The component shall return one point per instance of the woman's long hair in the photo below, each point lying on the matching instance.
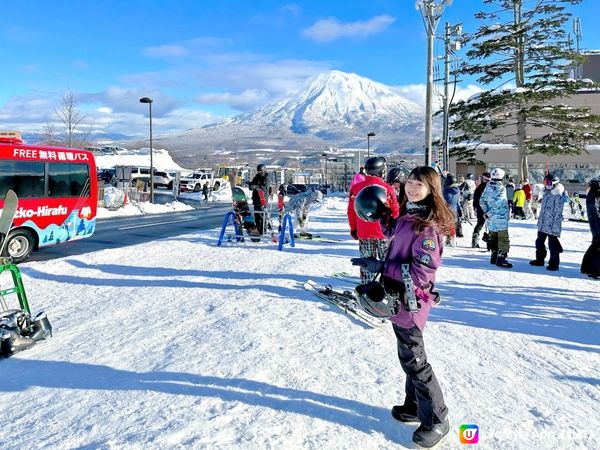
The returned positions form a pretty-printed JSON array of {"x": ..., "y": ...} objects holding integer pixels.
[{"x": 440, "y": 215}]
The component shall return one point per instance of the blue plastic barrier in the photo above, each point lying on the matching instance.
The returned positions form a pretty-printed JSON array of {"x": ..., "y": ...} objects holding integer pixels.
[
  {"x": 286, "y": 222},
  {"x": 230, "y": 220}
]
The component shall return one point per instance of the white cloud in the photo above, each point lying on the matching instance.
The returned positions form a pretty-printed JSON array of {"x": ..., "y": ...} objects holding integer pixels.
[
  {"x": 326, "y": 30},
  {"x": 166, "y": 51},
  {"x": 245, "y": 100},
  {"x": 417, "y": 93}
]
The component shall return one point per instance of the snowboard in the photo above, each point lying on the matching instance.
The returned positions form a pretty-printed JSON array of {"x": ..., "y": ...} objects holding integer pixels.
[
  {"x": 6, "y": 218},
  {"x": 243, "y": 214},
  {"x": 344, "y": 300}
]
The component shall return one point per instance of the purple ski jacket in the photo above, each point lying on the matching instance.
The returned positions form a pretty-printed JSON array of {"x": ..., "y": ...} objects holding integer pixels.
[{"x": 424, "y": 255}]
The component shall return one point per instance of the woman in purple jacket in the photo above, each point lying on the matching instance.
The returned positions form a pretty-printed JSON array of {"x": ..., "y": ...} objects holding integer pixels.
[{"x": 418, "y": 240}]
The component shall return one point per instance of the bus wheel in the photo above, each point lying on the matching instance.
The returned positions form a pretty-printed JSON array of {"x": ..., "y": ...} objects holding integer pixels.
[{"x": 19, "y": 245}]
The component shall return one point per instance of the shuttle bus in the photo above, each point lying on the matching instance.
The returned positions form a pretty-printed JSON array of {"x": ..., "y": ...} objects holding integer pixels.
[{"x": 57, "y": 191}]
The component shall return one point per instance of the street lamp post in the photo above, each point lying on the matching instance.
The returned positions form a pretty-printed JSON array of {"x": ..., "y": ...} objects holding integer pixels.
[
  {"x": 149, "y": 101},
  {"x": 369, "y": 136}
]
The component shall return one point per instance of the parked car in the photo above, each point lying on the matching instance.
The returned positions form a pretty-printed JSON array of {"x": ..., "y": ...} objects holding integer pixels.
[
  {"x": 195, "y": 181},
  {"x": 162, "y": 179},
  {"x": 106, "y": 175}
]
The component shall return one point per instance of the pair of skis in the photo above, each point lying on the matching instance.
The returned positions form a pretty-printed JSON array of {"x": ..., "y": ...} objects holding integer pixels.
[
  {"x": 345, "y": 300},
  {"x": 315, "y": 237}
]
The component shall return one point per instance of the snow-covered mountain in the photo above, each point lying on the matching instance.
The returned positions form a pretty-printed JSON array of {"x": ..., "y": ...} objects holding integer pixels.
[
  {"x": 337, "y": 103},
  {"x": 332, "y": 109}
]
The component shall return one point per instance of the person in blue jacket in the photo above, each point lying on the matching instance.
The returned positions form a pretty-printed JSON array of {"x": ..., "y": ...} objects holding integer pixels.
[{"x": 494, "y": 205}]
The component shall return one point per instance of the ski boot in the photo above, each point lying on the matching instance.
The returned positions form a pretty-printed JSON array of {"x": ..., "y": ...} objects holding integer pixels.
[
  {"x": 429, "y": 436},
  {"x": 536, "y": 262},
  {"x": 502, "y": 262},
  {"x": 494, "y": 257}
]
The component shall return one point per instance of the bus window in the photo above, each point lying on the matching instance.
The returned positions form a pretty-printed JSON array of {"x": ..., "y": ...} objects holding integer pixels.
[
  {"x": 68, "y": 180},
  {"x": 24, "y": 177}
]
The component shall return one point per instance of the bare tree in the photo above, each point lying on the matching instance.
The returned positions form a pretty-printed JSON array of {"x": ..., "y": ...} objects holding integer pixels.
[
  {"x": 49, "y": 134},
  {"x": 70, "y": 117}
]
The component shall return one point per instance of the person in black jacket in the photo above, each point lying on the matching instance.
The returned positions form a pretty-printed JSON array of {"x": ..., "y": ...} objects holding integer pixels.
[
  {"x": 590, "y": 265},
  {"x": 485, "y": 177},
  {"x": 260, "y": 188}
]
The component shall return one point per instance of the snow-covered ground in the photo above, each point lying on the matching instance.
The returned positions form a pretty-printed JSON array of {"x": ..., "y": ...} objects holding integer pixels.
[{"x": 179, "y": 343}]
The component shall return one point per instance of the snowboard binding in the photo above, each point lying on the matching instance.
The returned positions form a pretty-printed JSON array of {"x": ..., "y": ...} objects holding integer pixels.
[{"x": 18, "y": 329}]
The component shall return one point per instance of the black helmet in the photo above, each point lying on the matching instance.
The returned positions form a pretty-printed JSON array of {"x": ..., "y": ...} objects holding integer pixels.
[
  {"x": 470, "y": 176},
  {"x": 552, "y": 177},
  {"x": 375, "y": 301},
  {"x": 450, "y": 180},
  {"x": 396, "y": 174},
  {"x": 375, "y": 166},
  {"x": 594, "y": 185},
  {"x": 371, "y": 203},
  {"x": 261, "y": 167}
]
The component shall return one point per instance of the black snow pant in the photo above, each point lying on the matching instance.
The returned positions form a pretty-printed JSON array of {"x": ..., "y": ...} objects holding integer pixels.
[
  {"x": 421, "y": 387},
  {"x": 258, "y": 218},
  {"x": 478, "y": 227},
  {"x": 553, "y": 245},
  {"x": 590, "y": 264}
]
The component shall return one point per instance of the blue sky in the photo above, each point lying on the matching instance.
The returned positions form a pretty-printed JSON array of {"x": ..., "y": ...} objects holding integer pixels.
[{"x": 205, "y": 60}]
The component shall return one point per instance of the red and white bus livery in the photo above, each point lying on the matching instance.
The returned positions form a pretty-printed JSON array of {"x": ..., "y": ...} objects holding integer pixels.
[{"x": 57, "y": 191}]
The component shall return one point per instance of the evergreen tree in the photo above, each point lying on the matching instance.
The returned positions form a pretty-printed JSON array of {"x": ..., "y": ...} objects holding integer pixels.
[{"x": 523, "y": 42}]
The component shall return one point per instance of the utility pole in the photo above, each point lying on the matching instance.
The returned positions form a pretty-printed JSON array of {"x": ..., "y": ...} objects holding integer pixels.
[{"x": 431, "y": 12}]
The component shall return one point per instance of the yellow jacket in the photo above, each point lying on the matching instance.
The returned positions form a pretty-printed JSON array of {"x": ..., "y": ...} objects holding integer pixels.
[{"x": 519, "y": 198}]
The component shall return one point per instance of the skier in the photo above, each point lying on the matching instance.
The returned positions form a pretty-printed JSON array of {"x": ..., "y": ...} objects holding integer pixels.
[
  {"x": 467, "y": 193},
  {"x": 260, "y": 187},
  {"x": 281, "y": 193},
  {"x": 451, "y": 194},
  {"x": 300, "y": 204},
  {"x": 519, "y": 202},
  {"x": 550, "y": 223},
  {"x": 590, "y": 264},
  {"x": 358, "y": 177},
  {"x": 510, "y": 192},
  {"x": 494, "y": 205},
  {"x": 205, "y": 190},
  {"x": 536, "y": 199},
  {"x": 418, "y": 241},
  {"x": 485, "y": 177},
  {"x": 396, "y": 178},
  {"x": 371, "y": 240},
  {"x": 528, "y": 197}
]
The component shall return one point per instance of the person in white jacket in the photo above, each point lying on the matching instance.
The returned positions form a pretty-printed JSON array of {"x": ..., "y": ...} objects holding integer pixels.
[{"x": 550, "y": 223}]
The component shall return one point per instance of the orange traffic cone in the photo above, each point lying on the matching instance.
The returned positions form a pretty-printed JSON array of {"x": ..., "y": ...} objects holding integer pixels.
[{"x": 125, "y": 198}]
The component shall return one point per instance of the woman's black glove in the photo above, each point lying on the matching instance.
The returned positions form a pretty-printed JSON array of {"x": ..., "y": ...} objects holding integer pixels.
[{"x": 372, "y": 265}]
